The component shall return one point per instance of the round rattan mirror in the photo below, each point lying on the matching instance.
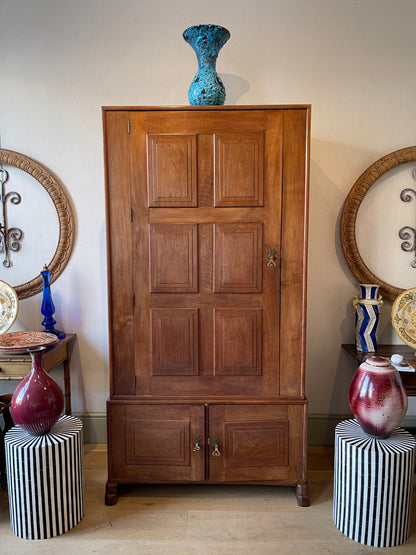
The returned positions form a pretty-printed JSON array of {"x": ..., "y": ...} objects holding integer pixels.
[
  {"x": 350, "y": 212},
  {"x": 62, "y": 206}
]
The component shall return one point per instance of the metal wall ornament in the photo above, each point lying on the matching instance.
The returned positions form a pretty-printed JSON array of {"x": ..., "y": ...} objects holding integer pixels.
[
  {"x": 63, "y": 208},
  {"x": 350, "y": 212},
  {"x": 10, "y": 237},
  {"x": 408, "y": 233}
]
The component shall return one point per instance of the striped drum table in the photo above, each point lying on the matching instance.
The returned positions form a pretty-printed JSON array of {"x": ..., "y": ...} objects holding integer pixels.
[
  {"x": 373, "y": 485},
  {"x": 45, "y": 479}
]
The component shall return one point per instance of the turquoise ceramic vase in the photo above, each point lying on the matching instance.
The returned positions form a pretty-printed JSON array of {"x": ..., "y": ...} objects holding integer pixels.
[{"x": 206, "y": 87}]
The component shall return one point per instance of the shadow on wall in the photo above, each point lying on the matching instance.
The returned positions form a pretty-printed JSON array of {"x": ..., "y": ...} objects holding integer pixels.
[
  {"x": 330, "y": 286},
  {"x": 235, "y": 87}
]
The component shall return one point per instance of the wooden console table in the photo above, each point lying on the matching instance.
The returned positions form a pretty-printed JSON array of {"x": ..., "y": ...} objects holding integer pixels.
[
  {"x": 17, "y": 366},
  {"x": 408, "y": 378}
]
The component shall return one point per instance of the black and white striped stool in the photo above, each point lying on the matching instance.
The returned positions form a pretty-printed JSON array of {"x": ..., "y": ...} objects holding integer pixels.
[
  {"x": 373, "y": 484},
  {"x": 45, "y": 479}
]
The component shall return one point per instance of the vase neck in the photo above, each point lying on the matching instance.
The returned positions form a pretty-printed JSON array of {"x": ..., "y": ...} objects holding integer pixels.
[
  {"x": 369, "y": 291},
  {"x": 46, "y": 278},
  {"x": 37, "y": 360},
  {"x": 207, "y": 41},
  {"x": 207, "y": 63},
  {"x": 47, "y": 308}
]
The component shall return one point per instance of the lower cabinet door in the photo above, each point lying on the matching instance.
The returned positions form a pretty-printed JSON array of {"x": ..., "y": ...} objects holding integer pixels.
[
  {"x": 167, "y": 443},
  {"x": 256, "y": 443},
  {"x": 157, "y": 443}
]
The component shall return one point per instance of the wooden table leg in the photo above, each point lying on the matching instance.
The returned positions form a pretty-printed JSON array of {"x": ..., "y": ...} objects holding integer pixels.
[{"x": 67, "y": 383}]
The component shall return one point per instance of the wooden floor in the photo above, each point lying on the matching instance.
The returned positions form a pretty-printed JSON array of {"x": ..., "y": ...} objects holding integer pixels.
[{"x": 195, "y": 520}]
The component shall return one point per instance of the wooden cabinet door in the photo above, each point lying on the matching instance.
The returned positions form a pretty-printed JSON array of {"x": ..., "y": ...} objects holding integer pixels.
[
  {"x": 207, "y": 189},
  {"x": 156, "y": 443},
  {"x": 256, "y": 443},
  {"x": 206, "y": 294}
]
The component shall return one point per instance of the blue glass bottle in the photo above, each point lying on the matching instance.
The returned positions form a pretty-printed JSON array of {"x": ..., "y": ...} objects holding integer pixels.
[
  {"x": 206, "y": 87},
  {"x": 48, "y": 308}
]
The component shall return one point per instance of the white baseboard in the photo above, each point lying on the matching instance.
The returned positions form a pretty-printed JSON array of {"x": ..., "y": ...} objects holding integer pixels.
[
  {"x": 95, "y": 426},
  {"x": 321, "y": 427}
]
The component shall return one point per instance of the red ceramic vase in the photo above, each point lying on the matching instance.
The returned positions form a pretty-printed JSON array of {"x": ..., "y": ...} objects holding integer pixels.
[
  {"x": 38, "y": 400},
  {"x": 377, "y": 397}
]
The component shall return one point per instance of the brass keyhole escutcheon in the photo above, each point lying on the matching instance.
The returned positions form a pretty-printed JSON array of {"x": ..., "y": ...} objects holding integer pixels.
[{"x": 271, "y": 255}]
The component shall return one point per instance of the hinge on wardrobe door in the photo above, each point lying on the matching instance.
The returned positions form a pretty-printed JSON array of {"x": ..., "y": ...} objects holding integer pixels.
[
  {"x": 128, "y": 127},
  {"x": 131, "y": 214},
  {"x": 133, "y": 300}
]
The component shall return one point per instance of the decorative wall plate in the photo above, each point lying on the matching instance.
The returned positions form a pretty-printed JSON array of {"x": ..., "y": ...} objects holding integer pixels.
[
  {"x": 21, "y": 341},
  {"x": 403, "y": 316},
  {"x": 9, "y": 306}
]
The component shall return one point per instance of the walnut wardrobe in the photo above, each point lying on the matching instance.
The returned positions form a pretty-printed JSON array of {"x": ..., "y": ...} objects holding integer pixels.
[{"x": 207, "y": 248}]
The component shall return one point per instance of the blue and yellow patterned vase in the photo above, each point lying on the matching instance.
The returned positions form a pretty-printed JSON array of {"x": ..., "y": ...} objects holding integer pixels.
[
  {"x": 366, "y": 317},
  {"x": 206, "y": 87}
]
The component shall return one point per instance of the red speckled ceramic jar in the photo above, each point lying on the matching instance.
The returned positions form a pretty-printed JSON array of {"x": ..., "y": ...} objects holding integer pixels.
[
  {"x": 38, "y": 400},
  {"x": 377, "y": 397}
]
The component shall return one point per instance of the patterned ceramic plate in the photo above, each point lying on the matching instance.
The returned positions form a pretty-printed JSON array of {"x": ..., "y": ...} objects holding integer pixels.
[
  {"x": 9, "y": 306},
  {"x": 26, "y": 341},
  {"x": 403, "y": 316}
]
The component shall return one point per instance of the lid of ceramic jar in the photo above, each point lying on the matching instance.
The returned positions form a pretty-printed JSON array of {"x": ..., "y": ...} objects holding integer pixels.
[{"x": 377, "y": 362}]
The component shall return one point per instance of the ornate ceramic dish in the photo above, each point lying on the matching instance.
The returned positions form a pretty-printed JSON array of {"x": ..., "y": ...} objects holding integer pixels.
[
  {"x": 9, "y": 306},
  {"x": 403, "y": 316},
  {"x": 19, "y": 341}
]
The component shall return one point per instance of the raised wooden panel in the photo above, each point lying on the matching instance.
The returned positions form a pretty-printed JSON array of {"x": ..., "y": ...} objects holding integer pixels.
[
  {"x": 261, "y": 443},
  {"x": 238, "y": 258},
  {"x": 173, "y": 258},
  {"x": 257, "y": 442},
  {"x": 239, "y": 169},
  {"x": 174, "y": 342},
  {"x": 172, "y": 170},
  {"x": 157, "y": 442},
  {"x": 238, "y": 338},
  {"x": 154, "y": 442}
]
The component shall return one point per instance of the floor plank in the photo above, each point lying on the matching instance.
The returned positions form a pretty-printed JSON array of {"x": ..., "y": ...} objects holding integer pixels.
[{"x": 201, "y": 520}]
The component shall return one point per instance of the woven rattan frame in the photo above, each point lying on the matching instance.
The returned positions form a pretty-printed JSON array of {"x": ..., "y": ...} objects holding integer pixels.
[
  {"x": 350, "y": 211},
  {"x": 66, "y": 227}
]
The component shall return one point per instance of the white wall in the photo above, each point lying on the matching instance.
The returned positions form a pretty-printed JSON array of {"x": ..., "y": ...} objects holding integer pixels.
[{"x": 61, "y": 60}]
